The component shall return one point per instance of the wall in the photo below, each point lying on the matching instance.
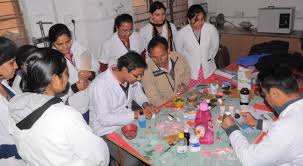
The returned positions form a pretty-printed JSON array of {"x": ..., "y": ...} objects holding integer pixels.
[
  {"x": 94, "y": 18},
  {"x": 141, "y": 13},
  {"x": 246, "y": 10}
]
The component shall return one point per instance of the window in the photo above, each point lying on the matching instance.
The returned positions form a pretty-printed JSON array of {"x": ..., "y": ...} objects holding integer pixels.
[{"x": 11, "y": 22}]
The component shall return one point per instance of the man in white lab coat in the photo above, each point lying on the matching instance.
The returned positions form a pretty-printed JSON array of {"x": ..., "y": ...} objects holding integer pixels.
[
  {"x": 198, "y": 42},
  {"x": 111, "y": 95},
  {"x": 158, "y": 25},
  {"x": 284, "y": 140}
]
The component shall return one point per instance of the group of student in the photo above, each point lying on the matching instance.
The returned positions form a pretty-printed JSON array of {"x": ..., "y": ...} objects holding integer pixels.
[{"x": 58, "y": 91}]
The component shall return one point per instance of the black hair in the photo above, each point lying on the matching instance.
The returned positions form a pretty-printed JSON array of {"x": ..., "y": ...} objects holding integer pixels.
[
  {"x": 155, "y": 6},
  {"x": 194, "y": 10},
  {"x": 23, "y": 52},
  {"x": 280, "y": 77},
  {"x": 121, "y": 19},
  {"x": 39, "y": 68},
  {"x": 56, "y": 31},
  {"x": 131, "y": 60},
  {"x": 7, "y": 50},
  {"x": 155, "y": 41}
]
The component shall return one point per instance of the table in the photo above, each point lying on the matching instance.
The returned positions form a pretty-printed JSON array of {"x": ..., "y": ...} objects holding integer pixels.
[{"x": 149, "y": 139}]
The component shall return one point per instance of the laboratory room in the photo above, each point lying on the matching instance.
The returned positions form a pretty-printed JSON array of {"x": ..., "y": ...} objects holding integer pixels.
[{"x": 151, "y": 83}]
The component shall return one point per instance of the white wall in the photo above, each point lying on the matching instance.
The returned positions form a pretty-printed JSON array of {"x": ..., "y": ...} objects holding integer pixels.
[
  {"x": 94, "y": 18},
  {"x": 246, "y": 10}
]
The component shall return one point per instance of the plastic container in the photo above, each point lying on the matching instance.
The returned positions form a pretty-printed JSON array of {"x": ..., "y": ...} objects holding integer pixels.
[
  {"x": 142, "y": 120},
  {"x": 203, "y": 115},
  {"x": 231, "y": 109},
  {"x": 181, "y": 144},
  {"x": 187, "y": 134},
  {"x": 194, "y": 145},
  {"x": 129, "y": 131},
  {"x": 204, "y": 118}
]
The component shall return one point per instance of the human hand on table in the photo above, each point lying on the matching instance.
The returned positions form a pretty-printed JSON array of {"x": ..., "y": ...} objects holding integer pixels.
[
  {"x": 182, "y": 88},
  {"x": 249, "y": 119},
  {"x": 227, "y": 122},
  {"x": 147, "y": 114},
  {"x": 150, "y": 107}
]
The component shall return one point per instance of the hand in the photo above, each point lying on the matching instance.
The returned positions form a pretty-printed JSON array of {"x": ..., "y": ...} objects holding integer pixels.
[
  {"x": 227, "y": 122},
  {"x": 82, "y": 84},
  {"x": 151, "y": 108},
  {"x": 182, "y": 88},
  {"x": 84, "y": 75},
  {"x": 147, "y": 114},
  {"x": 249, "y": 119}
]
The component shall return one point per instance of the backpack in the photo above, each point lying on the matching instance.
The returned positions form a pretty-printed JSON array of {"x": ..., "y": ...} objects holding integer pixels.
[{"x": 222, "y": 58}]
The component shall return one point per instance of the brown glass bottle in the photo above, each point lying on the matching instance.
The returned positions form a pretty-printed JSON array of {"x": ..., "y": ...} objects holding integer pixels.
[{"x": 244, "y": 96}]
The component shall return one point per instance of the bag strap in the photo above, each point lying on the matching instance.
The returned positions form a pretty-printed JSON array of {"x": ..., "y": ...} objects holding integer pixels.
[{"x": 30, "y": 119}]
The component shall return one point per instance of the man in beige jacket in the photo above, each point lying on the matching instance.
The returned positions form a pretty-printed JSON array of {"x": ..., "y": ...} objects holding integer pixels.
[{"x": 167, "y": 74}]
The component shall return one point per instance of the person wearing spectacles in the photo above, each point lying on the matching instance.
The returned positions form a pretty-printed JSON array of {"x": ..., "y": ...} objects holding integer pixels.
[{"x": 111, "y": 95}]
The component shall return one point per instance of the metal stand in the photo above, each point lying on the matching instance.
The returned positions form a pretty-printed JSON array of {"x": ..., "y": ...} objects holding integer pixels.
[{"x": 43, "y": 39}]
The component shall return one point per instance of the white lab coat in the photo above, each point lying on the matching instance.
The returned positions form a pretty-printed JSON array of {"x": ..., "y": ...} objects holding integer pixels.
[
  {"x": 197, "y": 54},
  {"x": 146, "y": 33},
  {"x": 79, "y": 100},
  {"x": 59, "y": 137},
  {"x": 5, "y": 137},
  {"x": 282, "y": 145},
  {"x": 113, "y": 48},
  {"x": 109, "y": 108},
  {"x": 16, "y": 84},
  {"x": 78, "y": 51}
]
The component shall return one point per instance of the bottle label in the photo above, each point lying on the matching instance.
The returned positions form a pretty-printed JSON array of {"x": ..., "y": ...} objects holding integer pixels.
[
  {"x": 195, "y": 144},
  {"x": 181, "y": 149},
  {"x": 244, "y": 98}
]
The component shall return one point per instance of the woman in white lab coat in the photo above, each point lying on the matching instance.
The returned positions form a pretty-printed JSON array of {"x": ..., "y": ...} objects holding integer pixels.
[
  {"x": 59, "y": 135},
  {"x": 8, "y": 150},
  {"x": 123, "y": 40},
  {"x": 198, "y": 42},
  {"x": 158, "y": 25},
  {"x": 22, "y": 53},
  {"x": 81, "y": 65}
]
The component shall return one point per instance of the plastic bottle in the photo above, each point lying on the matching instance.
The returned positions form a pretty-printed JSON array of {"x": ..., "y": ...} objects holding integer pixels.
[
  {"x": 244, "y": 96},
  {"x": 181, "y": 144},
  {"x": 187, "y": 134},
  {"x": 204, "y": 118},
  {"x": 142, "y": 120},
  {"x": 195, "y": 145},
  {"x": 231, "y": 109},
  {"x": 208, "y": 138},
  {"x": 203, "y": 115}
]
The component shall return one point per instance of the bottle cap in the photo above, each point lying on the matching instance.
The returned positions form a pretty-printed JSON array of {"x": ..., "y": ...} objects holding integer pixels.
[
  {"x": 181, "y": 135},
  {"x": 203, "y": 106}
]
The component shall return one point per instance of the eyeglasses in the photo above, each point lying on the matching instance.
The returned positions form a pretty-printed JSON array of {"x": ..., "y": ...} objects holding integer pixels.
[{"x": 136, "y": 76}]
